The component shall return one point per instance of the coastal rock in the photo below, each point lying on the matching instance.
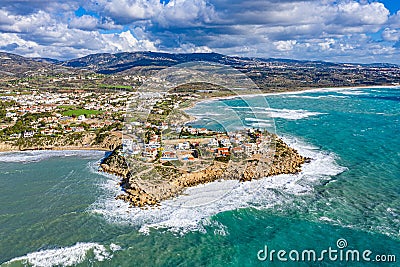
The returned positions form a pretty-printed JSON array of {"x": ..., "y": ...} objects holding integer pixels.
[{"x": 171, "y": 181}]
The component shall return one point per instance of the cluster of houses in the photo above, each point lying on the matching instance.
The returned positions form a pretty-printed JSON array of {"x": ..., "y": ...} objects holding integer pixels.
[
  {"x": 187, "y": 149},
  {"x": 56, "y": 123}
]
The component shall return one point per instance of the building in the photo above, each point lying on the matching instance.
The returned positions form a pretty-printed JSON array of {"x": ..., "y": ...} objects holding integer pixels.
[
  {"x": 28, "y": 134},
  {"x": 168, "y": 156},
  {"x": 213, "y": 143},
  {"x": 183, "y": 146},
  {"x": 222, "y": 151}
]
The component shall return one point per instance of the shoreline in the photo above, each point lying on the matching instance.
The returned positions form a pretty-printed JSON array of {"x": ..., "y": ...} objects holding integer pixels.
[
  {"x": 323, "y": 89},
  {"x": 194, "y": 103},
  {"x": 44, "y": 151},
  {"x": 66, "y": 148},
  {"x": 171, "y": 182},
  {"x": 145, "y": 194}
]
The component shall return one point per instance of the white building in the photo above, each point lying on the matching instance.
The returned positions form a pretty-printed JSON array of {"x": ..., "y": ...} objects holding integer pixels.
[{"x": 28, "y": 134}]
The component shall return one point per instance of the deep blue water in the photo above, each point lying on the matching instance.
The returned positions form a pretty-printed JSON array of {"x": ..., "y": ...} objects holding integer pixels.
[{"x": 56, "y": 209}]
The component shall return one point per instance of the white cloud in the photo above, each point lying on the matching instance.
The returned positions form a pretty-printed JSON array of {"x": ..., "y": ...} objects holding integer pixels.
[
  {"x": 355, "y": 14},
  {"x": 302, "y": 29},
  {"x": 19, "y": 23},
  {"x": 327, "y": 44},
  {"x": 84, "y": 22},
  {"x": 191, "y": 48},
  {"x": 125, "y": 41},
  {"x": 90, "y": 23},
  {"x": 394, "y": 21},
  {"x": 285, "y": 45},
  {"x": 391, "y": 34},
  {"x": 126, "y": 11}
]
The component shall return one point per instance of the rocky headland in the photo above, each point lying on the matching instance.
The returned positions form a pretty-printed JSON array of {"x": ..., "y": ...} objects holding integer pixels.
[{"x": 170, "y": 181}]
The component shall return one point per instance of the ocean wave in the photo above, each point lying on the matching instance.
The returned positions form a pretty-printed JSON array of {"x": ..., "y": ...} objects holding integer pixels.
[
  {"x": 38, "y": 155},
  {"x": 259, "y": 123},
  {"x": 289, "y": 114},
  {"x": 193, "y": 210},
  {"x": 67, "y": 256},
  {"x": 316, "y": 97},
  {"x": 204, "y": 115},
  {"x": 258, "y": 120},
  {"x": 353, "y": 92}
]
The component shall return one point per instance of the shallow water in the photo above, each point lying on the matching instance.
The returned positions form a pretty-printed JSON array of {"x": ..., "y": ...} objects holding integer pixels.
[{"x": 58, "y": 210}]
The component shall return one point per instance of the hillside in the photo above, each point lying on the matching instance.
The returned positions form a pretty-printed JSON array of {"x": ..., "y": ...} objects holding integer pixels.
[{"x": 269, "y": 74}]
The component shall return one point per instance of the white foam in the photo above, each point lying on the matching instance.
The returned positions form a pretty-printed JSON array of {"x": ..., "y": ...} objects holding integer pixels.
[
  {"x": 192, "y": 210},
  {"x": 289, "y": 114},
  {"x": 260, "y": 123},
  {"x": 67, "y": 256},
  {"x": 38, "y": 155},
  {"x": 316, "y": 97},
  {"x": 353, "y": 92},
  {"x": 258, "y": 120},
  {"x": 327, "y": 219},
  {"x": 205, "y": 114}
]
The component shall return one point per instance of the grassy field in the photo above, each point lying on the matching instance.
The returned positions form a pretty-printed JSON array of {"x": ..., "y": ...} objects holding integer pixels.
[
  {"x": 78, "y": 112},
  {"x": 66, "y": 107}
]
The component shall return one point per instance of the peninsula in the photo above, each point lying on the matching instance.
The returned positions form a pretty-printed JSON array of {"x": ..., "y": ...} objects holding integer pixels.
[
  {"x": 174, "y": 156},
  {"x": 81, "y": 104}
]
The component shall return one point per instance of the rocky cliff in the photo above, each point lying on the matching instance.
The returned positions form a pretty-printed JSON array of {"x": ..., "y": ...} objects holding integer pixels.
[{"x": 169, "y": 181}]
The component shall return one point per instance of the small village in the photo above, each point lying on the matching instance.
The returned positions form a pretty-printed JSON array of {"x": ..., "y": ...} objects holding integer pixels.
[
  {"x": 202, "y": 143},
  {"x": 159, "y": 139},
  {"x": 35, "y": 114}
]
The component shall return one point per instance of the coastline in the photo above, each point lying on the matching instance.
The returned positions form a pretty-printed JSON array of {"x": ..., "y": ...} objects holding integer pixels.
[
  {"x": 149, "y": 195},
  {"x": 136, "y": 196},
  {"x": 301, "y": 91},
  {"x": 171, "y": 182},
  {"x": 4, "y": 147},
  {"x": 64, "y": 148}
]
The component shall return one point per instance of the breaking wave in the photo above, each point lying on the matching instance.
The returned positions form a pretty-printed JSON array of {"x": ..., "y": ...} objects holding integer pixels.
[
  {"x": 174, "y": 214},
  {"x": 38, "y": 155},
  {"x": 67, "y": 256},
  {"x": 289, "y": 114}
]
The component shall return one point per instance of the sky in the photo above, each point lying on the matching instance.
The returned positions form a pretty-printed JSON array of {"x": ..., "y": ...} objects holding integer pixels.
[{"x": 358, "y": 31}]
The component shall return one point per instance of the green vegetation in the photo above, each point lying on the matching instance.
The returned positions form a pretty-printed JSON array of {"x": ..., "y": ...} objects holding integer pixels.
[
  {"x": 102, "y": 133},
  {"x": 3, "y": 106},
  {"x": 78, "y": 112},
  {"x": 67, "y": 107},
  {"x": 224, "y": 159},
  {"x": 109, "y": 86},
  {"x": 23, "y": 124}
]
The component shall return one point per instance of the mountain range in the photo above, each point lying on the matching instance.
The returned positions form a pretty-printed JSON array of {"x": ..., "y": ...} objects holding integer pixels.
[{"x": 267, "y": 73}]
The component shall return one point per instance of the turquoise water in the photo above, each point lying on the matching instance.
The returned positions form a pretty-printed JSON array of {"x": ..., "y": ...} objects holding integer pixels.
[{"x": 58, "y": 210}]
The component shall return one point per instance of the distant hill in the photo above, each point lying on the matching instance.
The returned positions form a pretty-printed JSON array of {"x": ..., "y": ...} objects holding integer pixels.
[
  {"x": 106, "y": 63},
  {"x": 15, "y": 65},
  {"x": 113, "y": 63},
  {"x": 19, "y": 66},
  {"x": 271, "y": 74}
]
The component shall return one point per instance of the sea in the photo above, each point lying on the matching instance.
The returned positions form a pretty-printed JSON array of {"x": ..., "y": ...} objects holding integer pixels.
[{"x": 57, "y": 209}]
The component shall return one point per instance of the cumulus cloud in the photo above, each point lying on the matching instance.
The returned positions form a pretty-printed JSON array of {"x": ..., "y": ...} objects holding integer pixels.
[
  {"x": 302, "y": 29},
  {"x": 20, "y": 24},
  {"x": 285, "y": 45},
  {"x": 126, "y": 11},
  {"x": 391, "y": 34},
  {"x": 90, "y": 23}
]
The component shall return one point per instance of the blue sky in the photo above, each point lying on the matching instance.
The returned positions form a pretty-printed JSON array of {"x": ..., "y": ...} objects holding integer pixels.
[{"x": 362, "y": 31}]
